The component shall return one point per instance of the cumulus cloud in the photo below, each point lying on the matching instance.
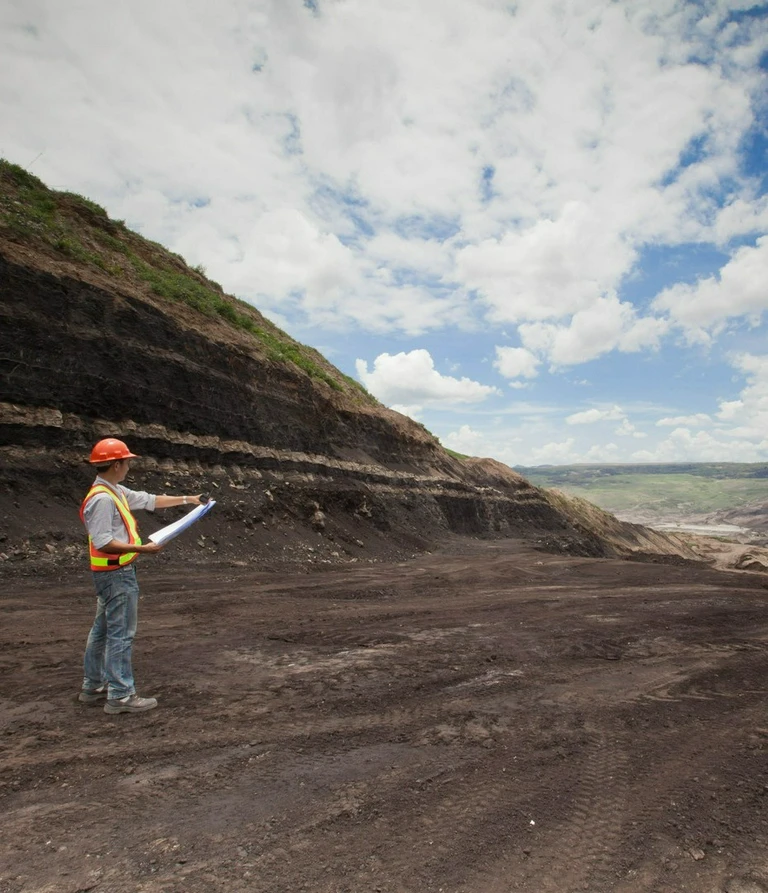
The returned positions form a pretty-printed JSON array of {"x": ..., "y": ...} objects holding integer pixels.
[
  {"x": 410, "y": 379},
  {"x": 414, "y": 412},
  {"x": 627, "y": 429},
  {"x": 516, "y": 362},
  {"x": 749, "y": 414},
  {"x": 590, "y": 416},
  {"x": 607, "y": 452},
  {"x": 700, "y": 446},
  {"x": 502, "y": 444},
  {"x": 552, "y": 269},
  {"x": 284, "y": 251},
  {"x": 742, "y": 217},
  {"x": 730, "y": 409},
  {"x": 465, "y": 440},
  {"x": 739, "y": 290},
  {"x": 602, "y": 327},
  {"x": 554, "y": 453}
]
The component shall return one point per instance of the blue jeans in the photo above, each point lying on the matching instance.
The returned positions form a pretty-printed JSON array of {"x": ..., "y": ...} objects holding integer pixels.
[{"x": 110, "y": 641}]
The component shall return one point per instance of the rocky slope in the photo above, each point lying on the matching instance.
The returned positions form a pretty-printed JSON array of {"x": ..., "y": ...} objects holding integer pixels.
[
  {"x": 753, "y": 515},
  {"x": 103, "y": 333}
]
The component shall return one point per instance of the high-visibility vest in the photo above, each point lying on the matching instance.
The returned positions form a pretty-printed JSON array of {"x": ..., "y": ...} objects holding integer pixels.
[{"x": 106, "y": 561}]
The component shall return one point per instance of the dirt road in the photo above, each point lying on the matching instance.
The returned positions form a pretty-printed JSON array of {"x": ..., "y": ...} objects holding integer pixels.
[{"x": 483, "y": 720}]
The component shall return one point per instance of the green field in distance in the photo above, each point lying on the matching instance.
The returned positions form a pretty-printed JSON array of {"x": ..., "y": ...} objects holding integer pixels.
[{"x": 664, "y": 490}]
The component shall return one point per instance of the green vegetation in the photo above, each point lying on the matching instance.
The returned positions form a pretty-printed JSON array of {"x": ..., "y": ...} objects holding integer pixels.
[
  {"x": 664, "y": 490},
  {"x": 354, "y": 383},
  {"x": 21, "y": 176},
  {"x": 83, "y": 203},
  {"x": 73, "y": 226},
  {"x": 32, "y": 209},
  {"x": 455, "y": 454}
]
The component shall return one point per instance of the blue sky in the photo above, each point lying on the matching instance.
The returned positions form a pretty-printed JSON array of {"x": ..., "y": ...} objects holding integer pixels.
[{"x": 540, "y": 228}]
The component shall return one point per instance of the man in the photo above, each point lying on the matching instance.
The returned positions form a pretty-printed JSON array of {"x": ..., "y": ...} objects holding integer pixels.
[{"x": 114, "y": 544}]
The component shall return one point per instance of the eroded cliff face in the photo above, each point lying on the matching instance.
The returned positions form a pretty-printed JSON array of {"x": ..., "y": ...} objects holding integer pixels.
[
  {"x": 304, "y": 465},
  {"x": 296, "y": 464}
]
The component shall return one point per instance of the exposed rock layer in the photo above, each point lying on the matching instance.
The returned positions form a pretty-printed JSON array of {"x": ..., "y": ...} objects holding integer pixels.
[{"x": 302, "y": 471}]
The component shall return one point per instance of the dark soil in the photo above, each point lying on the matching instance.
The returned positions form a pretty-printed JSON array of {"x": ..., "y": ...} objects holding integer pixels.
[{"x": 490, "y": 718}]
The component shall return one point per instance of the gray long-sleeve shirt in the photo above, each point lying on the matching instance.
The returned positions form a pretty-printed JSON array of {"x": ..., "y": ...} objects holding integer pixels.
[{"x": 103, "y": 521}]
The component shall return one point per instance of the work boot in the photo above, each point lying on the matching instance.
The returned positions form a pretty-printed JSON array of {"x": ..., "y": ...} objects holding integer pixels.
[
  {"x": 92, "y": 696},
  {"x": 130, "y": 704}
]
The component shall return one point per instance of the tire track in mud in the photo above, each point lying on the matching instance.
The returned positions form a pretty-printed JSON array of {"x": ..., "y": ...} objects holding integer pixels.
[
  {"x": 393, "y": 829},
  {"x": 425, "y": 836},
  {"x": 680, "y": 794},
  {"x": 454, "y": 819},
  {"x": 577, "y": 852},
  {"x": 703, "y": 680},
  {"x": 198, "y": 772},
  {"x": 429, "y": 814}
]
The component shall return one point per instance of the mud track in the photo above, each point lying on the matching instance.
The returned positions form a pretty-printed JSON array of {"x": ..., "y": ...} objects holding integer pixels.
[{"x": 482, "y": 720}]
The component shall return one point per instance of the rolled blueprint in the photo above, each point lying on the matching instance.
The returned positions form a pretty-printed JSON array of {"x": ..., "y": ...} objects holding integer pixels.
[{"x": 166, "y": 534}]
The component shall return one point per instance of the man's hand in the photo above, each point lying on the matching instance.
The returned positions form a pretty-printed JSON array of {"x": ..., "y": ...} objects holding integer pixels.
[
  {"x": 162, "y": 501},
  {"x": 150, "y": 547}
]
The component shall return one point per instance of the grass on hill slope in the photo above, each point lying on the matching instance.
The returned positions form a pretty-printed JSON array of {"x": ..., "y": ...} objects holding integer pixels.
[{"x": 80, "y": 231}]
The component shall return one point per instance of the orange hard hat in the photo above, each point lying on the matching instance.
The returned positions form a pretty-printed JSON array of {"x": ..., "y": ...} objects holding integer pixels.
[{"x": 110, "y": 450}]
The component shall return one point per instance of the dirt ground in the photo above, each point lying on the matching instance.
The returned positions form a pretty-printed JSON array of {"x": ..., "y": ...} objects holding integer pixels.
[{"x": 485, "y": 719}]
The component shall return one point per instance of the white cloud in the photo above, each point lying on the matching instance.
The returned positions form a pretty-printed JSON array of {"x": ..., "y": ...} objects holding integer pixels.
[
  {"x": 604, "y": 326},
  {"x": 410, "y": 379},
  {"x": 284, "y": 252},
  {"x": 730, "y": 409},
  {"x": 516, "y": 362},
  {"x": 740, "y": 289},
  {"x": 749, "y": 413},
  {"x": 503, "y": 445},
  {"x": 428, "y": 257},
  {"x": 602, "y": 453},
  {"x": 553, "y": 269},
  {"x": 465, "y": 440},
  {"x": 701, "y": 446},
  {"x": 590, "y": 416},
  {"x": 414, "y": 412},
  {"x": 689, "y": 421},
  {"x": 554, "y": 453},
  {"x": 627, "y": 429},
  {"x": 741, "y": 217}
]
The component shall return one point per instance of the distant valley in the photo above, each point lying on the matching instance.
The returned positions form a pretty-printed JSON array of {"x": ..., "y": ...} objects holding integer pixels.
[{"x": 718, "y": 498}]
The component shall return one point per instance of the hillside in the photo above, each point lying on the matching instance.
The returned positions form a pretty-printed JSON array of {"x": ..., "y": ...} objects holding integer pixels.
[
  {"x": 105, "y": 333},
  {"x": 753, "y": 515}
]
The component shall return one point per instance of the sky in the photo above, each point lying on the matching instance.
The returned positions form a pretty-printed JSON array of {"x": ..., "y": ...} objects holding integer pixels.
[{"x": 539, "y": 228}]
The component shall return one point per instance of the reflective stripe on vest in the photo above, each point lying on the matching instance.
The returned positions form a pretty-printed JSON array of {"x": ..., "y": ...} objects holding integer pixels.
[{"x": 106, "y": 561}]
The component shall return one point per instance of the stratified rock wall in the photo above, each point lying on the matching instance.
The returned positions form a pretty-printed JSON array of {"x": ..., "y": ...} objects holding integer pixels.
[
  {"x": 99, "y": 354},
  {"x": 302, "y": 471}
]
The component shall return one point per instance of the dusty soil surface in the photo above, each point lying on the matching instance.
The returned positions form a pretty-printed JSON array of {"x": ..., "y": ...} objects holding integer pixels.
[
  {"x": 728, "y": 555},
  {"x": 486, "y": 719}
]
